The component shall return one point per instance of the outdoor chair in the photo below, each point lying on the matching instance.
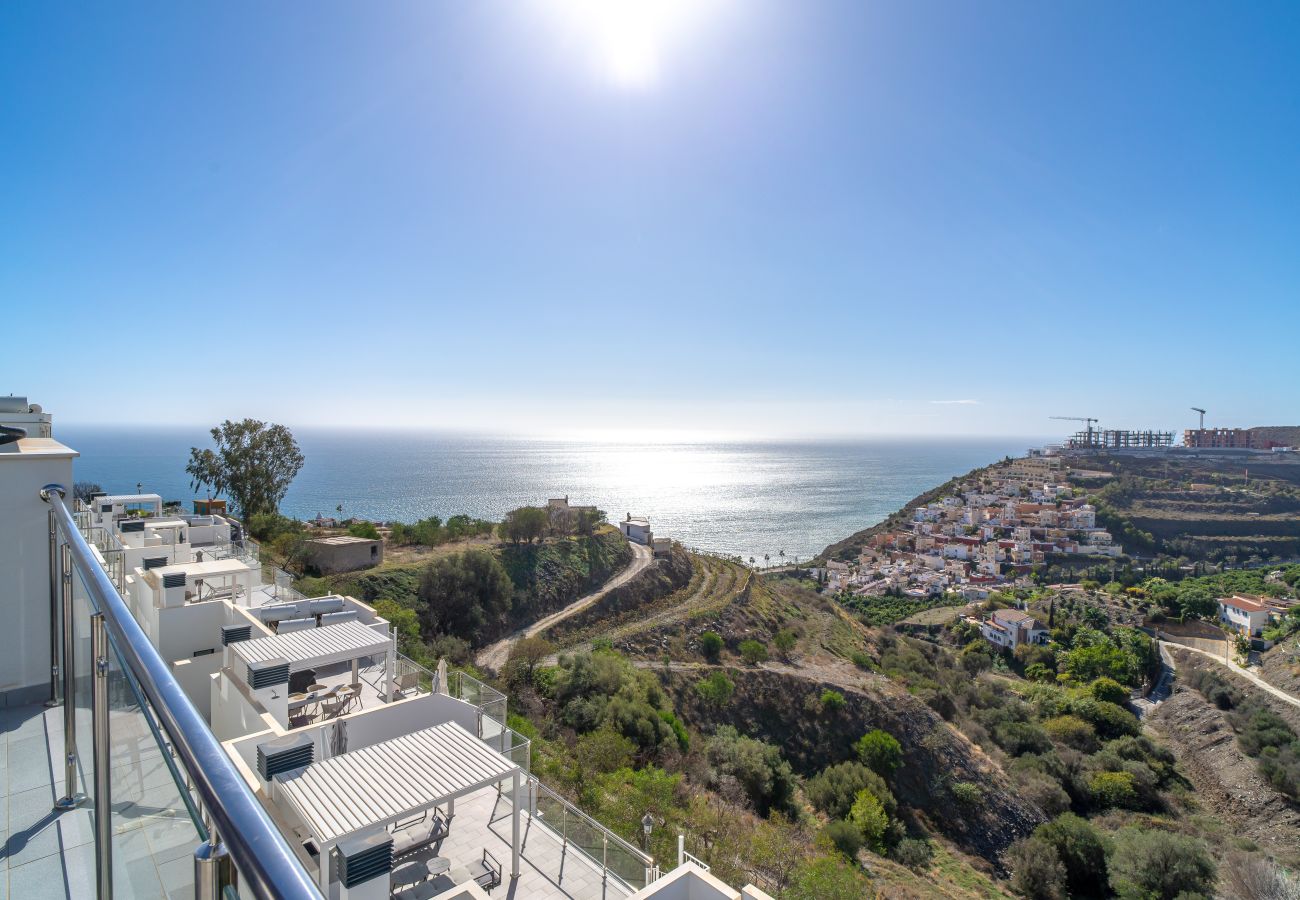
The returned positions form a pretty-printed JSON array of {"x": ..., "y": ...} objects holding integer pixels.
[
  {"x": 486, "y": 872},
  {"x": 415, "y": 834},
  {"x": 356, "y": 695},
  {"x": 408, "y": 681},
  {"x": 332, "y": 705}
]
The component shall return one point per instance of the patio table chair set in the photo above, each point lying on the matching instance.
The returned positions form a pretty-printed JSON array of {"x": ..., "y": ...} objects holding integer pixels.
[
  {"x": 416, "y": 881},
  {"x": 322, "y": 701}
]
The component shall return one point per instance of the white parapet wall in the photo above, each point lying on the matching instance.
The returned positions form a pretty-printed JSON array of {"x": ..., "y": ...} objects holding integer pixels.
[{"x": 25, "y": 466}]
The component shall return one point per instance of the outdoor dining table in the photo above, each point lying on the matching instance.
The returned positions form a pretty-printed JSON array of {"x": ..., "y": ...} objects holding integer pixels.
[
  {"x": 298, "y": 701},
  {"x": 437, "y": 866}
]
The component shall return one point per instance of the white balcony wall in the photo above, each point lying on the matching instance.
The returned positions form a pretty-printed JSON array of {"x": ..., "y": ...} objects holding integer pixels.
[{"x": 25, "y": 466}]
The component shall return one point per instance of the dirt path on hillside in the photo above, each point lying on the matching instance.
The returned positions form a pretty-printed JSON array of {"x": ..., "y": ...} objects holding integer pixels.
[
  {"x": 705, "y": 588},
  {"x": 1247, "y": 674},
  {"x": 494, "y": 656}
]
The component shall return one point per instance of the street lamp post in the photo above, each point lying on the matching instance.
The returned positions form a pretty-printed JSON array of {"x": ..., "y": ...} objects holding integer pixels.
[{"x": 647, "y": 825}]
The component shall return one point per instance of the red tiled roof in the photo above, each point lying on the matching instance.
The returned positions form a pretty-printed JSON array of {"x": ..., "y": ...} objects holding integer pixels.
[{"x": 1243, "y": 602}]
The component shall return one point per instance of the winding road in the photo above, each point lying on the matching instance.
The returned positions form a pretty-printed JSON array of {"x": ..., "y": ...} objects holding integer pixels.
[
  {"x": 494, "y": 656},
  {"x": 1164, "y": 688},
  {"x": 1245, "y": 673}
]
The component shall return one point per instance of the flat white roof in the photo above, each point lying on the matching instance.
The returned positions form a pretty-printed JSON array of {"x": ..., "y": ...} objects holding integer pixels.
[
  {"x": 315, "y": 646},
  {"x": 340, "y": 539},
  {"x": 204, "y": 569},
  {"x": 378, "y": 784},
  {"x": 34, "y": 446}
]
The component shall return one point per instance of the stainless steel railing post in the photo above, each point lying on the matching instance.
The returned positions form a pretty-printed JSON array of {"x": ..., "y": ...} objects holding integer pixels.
[
  {"x": 102, "y": 759},
  {"x": 54, "y": 606},
  {"x": 214, "y": 870},
  {"x": 71, "y": 798}
]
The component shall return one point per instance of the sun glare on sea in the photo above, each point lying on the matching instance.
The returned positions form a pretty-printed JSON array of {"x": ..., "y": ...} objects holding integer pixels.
[{"x": 630, "y": 37}]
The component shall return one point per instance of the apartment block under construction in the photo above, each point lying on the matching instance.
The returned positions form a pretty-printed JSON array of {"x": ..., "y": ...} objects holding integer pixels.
[
  {"x": 1120, "y": 439},
  {"x": 1224, "y": 438}
]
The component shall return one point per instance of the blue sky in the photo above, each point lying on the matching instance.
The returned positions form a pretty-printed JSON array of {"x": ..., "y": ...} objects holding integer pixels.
[{"x": 746, "y": 216}]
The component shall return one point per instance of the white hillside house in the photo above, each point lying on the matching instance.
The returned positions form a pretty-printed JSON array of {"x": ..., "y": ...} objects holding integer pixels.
[{"x": 1013, "y": 627}]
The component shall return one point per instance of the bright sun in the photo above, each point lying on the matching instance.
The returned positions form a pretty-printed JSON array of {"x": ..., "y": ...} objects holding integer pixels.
[{"x": 629, "y": 37}]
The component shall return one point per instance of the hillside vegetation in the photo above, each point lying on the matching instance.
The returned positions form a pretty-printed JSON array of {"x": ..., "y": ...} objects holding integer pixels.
[{"x": 479, "y": 594}]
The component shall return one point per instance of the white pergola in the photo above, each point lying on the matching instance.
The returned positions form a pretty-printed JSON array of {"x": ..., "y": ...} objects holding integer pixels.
[
  {"x": 330, "y": 644},
  {"x": 378, "y": 785}
]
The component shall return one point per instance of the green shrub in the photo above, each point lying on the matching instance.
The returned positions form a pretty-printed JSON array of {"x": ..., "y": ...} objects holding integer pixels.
[
  {"x": 1280, "y": 766},
  {"x": 1082, "y": 852},
  {"x": 869, "y": 816},
  {"x": 846, "y": 837},
  {"x": 753, "y": 652},
  {"x": 834, "y": 789},
  {"x": 679, "y": 730},
  {"x": 862, "y": 659},
  {"x": 762, "y": 772},
  {"x": 967, "y": 793},
  {"x": 1113, "y": 790},
  {"x": 465, "y": 594},
  {"x": 266, "y": 527},
  {"x": 1039, "y": 672},
  {"x": 1155, "y": 865},
  {"x": 364, "y": 530},
  {"x": 1110, "y": 720},
  {"x": 827, "y": 878},
  {"x": 1036, "y": 870},
  {"x": 711, "y": 645},
  {"x": 1108, "y": 690},
  {"x": 880, "y": 751},
  {"x": 915, "y": 853},
  {"x": 716, "y": 688},
  {"x": 784, "y": 641},
  {"x": 832, "y": 701},
  {"x": 1073, "y": 732}
]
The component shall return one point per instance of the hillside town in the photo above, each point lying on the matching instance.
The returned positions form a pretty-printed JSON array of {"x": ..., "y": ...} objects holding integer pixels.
[{"x": 991, "y": 531}]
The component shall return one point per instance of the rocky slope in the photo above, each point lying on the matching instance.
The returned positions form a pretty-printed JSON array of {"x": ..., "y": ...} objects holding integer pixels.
[{"x": 1226, "y": 782}]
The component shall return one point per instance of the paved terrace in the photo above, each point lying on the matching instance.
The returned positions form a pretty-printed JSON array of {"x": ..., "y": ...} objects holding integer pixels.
[
  {"x": 49, "y": 854},
  {"x": 44, "y": 854},
  {"x": 547, "y": 870}
]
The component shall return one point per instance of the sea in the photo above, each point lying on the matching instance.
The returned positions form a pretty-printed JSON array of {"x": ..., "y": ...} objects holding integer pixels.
[{"x": 743, "y": 498}]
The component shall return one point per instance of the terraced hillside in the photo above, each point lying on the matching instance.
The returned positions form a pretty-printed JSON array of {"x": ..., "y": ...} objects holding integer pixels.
[
  {"x": 1211, "y": 509},
  {"x": 713, "y": 583}
]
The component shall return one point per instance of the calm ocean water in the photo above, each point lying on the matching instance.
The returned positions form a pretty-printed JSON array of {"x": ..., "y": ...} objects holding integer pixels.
[{"x": 747, "y": 498}]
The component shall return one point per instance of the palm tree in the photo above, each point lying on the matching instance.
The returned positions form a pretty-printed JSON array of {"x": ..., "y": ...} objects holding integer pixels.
[
  {"x": 767, "y": 560},
  {"x": 751, "y": 562},
  {"x": 781, "y": 553}
]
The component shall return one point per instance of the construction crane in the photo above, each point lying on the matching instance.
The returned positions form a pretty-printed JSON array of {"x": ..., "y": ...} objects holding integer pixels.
[
  {"x": 1197, "y": 409},
  {"x": 1087, "y": 420}
]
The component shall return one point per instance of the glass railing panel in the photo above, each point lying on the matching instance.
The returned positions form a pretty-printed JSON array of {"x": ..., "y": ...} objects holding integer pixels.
[
  {"x": 584, "y": 835},
  {"x": 155, "y": 821},
  {"x": 548, "y": 809},
  {"x": 626, "y": 865},
  {"x": 83, "y": 696}
]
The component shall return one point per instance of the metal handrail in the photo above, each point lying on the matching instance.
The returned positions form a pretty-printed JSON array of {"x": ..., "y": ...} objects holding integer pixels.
[
  {"x": 266, "y": 863},
  {"x": 608, "y": 838}
]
